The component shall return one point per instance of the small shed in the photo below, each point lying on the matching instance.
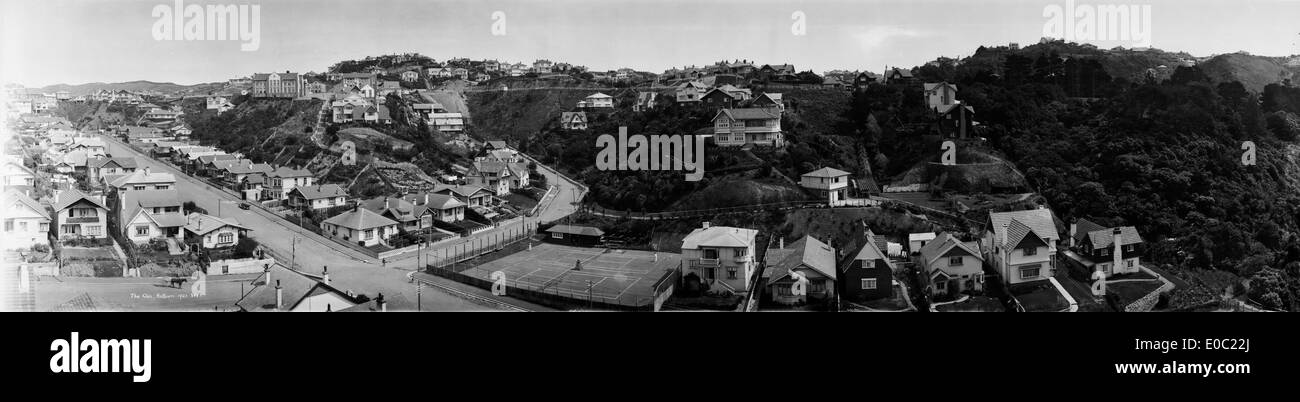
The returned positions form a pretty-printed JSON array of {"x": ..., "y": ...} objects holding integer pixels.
[{"x": 575, "y": 235}]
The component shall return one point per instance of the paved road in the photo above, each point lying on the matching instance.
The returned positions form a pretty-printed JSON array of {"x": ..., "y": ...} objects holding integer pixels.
[{"x": 348, "y": 268}]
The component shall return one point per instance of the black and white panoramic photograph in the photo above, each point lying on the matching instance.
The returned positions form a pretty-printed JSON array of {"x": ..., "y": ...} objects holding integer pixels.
[
  {"x": 725, "y": 156},
  {"x": 822, "y": 157}
]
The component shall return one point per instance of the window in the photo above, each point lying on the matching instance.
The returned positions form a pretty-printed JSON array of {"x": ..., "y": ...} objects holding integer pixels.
[
  {"x": 941, "y": 285},
  {"x": 1031, "y": 251},
  {"x": 731, "y": 273},
  {"x": 1128, "y": 248},
  {"x": 954, "y": 260},
  {"x": 869, "y": 283},
  {"x": 1104, "y": 252},
  {"x": 784, "y": 290},
  {"x": 94, "y": 230},
  {"x": 142, "y": 230},
  {"x": 1129, "y": 263},
  {"x": 138, "y": 188},
  {"x": 740, "y": 252},
  {"x": 9, "y": 226},
  {"x": 368, "y": 234},
  {"x": 45, "y": 226},
  {"x": 226, "y": 237},
  {"x": 818, "y": 286},
  {"x": 162, "y": 187},
  {"x": 557, "y": 235},
  {"x": 711, "y": 253},
  {"x": 1030, "y": 271}
]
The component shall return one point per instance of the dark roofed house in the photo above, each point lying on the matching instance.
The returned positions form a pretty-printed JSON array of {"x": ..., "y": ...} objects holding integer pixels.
[
  {"x": 1112, "y": 250},
  {"x": 585, "y": 236},
  {"x": 869, "y": 275},
  {"x": 318, "y": 197},
  {"x": 284, "y": 289}
]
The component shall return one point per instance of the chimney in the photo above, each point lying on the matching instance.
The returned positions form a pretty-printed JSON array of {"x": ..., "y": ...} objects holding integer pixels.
[
  {"x": 267, "y": 269},
  {"x": 326, "y": 275},
  {"x": 279, "y": 295},
  {"x": 706, "y": 224},
  {"x": 782, "y": 243},
  {"x": 146, "y": 170},
  {"x": 1117, "y": 257},
  {"x": 379, "y": 301}
]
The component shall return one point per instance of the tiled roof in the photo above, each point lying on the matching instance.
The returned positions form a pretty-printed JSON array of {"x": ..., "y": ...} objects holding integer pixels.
[
  {"x": 13, "y": 196},
  {"x": 360, "y": 219},
  {"x": 940, "y": 246},
  {"x": 1038, "y": 220},
  {"x": 320, "y": 191},
  {"x": 142, "y": 176},
  {"x": 285, "y": 172},
  {"x": 719, "y": 236},
  {"x": 201, "y": 224},
  {"x": 72, "y": 196},
  {"x": 808, "y": 252},
  {"x": 752, "y": 113},
  {"x": 1105, "y": 237},
  {"x": 294, "y": 286}
]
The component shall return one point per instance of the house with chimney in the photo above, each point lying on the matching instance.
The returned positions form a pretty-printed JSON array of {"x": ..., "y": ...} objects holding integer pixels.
[
  {"x": 283, "y": 289},
  {"x": 436, "y": 207},
  {"x": 361, "y": 226},
  {"x": 691, "y": 92},
  {"x": 771, "y": 100},
  {"x": 317, "y": 197},
  {"x": 869, "y": 275},
  {"x": 748, "y": 126},
  {"x": 1111, "y": 250},
  {"x": 284, "y": 179},
  {"x": 596, "y": 101},
  {"x": 951, "y": 266},
  {"x": 145, "y": 215},
  {"x": 81, "y": 215},
  {"x": 1021, "y": 245},
  {"x": 719, "y": 259},
  {"x": 143, "y": 179},
  {"x": 898, "y": 76},
  {"x": 407, "y": 215},
  {"x": 939, "y": 95},
  {"x": 410, "y": 76},
  {"x": 498, "y": 176},
  {"x": 210, "y": 232},
  {"x": 807, "y": 263},
  {"x": 470, "y": 195}
]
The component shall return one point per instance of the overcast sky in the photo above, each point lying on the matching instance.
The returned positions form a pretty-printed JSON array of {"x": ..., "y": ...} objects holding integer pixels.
[{"x": 76, "y": 41}]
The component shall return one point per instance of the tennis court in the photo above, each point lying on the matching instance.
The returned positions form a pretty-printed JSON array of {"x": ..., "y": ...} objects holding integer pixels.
[{"x": 614, "y": 276}]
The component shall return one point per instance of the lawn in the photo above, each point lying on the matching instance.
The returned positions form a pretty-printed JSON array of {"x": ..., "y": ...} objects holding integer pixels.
[{"x": 1129, "y": 292}]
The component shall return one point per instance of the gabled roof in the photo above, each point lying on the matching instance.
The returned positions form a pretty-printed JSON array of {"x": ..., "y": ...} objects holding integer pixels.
[
  {"x": 807, "y": 252},
  {"x": 573, "y": 117},
  {"x": 599, "y": 95},
  {"x": 749, "y": 113},
  {"x": 1039, "y": 221},
  {"x": 719, "y": 236},
  {"x": 360, "y": 219},
  {"x": 121, "y": 161},
  {"x": 433, "y": 201},
  {"x": 294, "y": 287},
  {"x": 1106, "y": 237},
  {"x": 13, "y": 196},
  {"x": 1083, "y": 227},
  {"x": 202, "y": 224},
  {"x": 935, "y": 85},
  {"x": 285, "y": 172},
  {"x": 71, "y": 196},
  {"x": 941, "y": 245},
  {"x": 826, "y": 172},
  {"x": 870, "y": 251},
  {"x": 461, "y": 190}
]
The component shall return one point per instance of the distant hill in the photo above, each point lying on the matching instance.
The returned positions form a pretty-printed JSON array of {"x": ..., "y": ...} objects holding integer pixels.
[
  {"x": 1254, "y": 72},
  {"x": 135, "y": 86}
]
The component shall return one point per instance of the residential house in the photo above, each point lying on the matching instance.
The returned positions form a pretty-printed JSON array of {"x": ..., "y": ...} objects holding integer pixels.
[
  {"x": 469, "y": 195},
  {"x": 285, "y": 289},
  {"x": 210, "y": 232},
  {"x": 278, "y": 85},
  {"x": 361, "y": 226},
  {"x": 776, "y": 72},
  {"x": 719, "y": 258},
  {"x": 1021, "y": 245},
  {"x": 498, "y": 176},
  {"x": 827, "y": 183},
  {"x": 460, "y": 73},
  {"x": 951, "y": 266},
  {"x": 439, "y": 207},
  {"x": 410, "y": 76},
  {"x": 807, "y": 260},
  {"x": 717, "y": 98},
  {"x": 99, "y": 167},
  {"x": 573, "y": 120},
  {"x": 235, "y": 173},
  {"x": 691, "y": 91},
  {"x": 317, "y": 197},
  {"x": 353, "y": 107},
  {"x": 145, "y": 215},
  {"x": 757, "y": 126},
  {"x": 409, "y": 217},
  {"x": 542, "y": 66},
  {"x": 143, "y": 179},
  {"x": 427, "y": 110},
  {"x": 17, "y": 174},
  {"x": 939, "y": 95},
  {"x": 27, "y": 222},
  {"x": 898, "y": 76},
  {"x": 870, "y": 274},
  {"x": 1111, "y": 250},
  {"x": 81, "y": 215},
  {"x": 865, "y": 79},
  {"x": 956, "y": 120},
  {"x": 92, "y": 146},
  {"x": 283, "y": 179},
  {"x": 597, "y": 100},
  {"x": 771, "y": 100},
  {"x": 438, "y": 72}
]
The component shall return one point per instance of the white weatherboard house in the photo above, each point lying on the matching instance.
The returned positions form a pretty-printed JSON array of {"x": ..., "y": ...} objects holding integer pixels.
[
  {"x": 211, "y": 232},
  {"x": 719, "y": 256},
  {"x": 361, "y": 226},
  {"x": 739, "y": 127},
  {"x": 27, "y": 223},
  {"x": 1021, "y": 245},
  {"x": 830, "y": 184},
  {"x": 951, "y": 265}
]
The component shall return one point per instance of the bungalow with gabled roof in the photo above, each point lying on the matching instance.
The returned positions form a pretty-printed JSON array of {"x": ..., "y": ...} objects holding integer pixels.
[
  {"x": 803, "y": 273},
  {"x": 951, "y": 266},
  {"x": 362, "y": 226}
]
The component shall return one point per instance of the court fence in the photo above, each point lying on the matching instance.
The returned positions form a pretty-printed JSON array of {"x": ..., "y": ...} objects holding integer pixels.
[{"x": 558, "y": 298}]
